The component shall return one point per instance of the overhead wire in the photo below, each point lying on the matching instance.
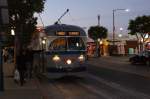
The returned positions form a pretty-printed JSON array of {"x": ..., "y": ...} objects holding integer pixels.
[{"x": 41, "y": 19}]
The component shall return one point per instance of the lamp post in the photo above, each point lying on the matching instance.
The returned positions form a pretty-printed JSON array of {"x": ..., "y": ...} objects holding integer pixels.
[
  {"x": 13, "y": 34},
  {"x": 43, "y": 48},
  {"x": 98, "y": 47},
  {"x": 120, "y": 34},
  {"x": 114, "y": 10},
  {"x": 121, "y": 45}
]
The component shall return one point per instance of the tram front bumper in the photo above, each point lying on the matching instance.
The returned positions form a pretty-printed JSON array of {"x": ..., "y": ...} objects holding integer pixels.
[{"x": 66, "y": 69}]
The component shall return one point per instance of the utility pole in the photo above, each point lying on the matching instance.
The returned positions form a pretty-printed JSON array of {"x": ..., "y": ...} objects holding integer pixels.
[
  {"x": 97, "y": 41},
  {"x": 4, "y": 20},
  {"x": 98, "y": 17}
]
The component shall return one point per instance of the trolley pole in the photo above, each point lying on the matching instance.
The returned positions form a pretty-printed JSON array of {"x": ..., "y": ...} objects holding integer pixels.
[{"x": 62, "y": 16}]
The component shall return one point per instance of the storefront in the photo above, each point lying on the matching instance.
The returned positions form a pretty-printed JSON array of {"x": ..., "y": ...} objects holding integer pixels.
[
  {"x": 91, "y": 47},
  {"x": 147, "y": 46}
]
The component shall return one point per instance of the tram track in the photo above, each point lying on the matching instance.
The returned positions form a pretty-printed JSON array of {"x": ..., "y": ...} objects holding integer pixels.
[
  {"x": 71, "y": 88},
  {"x": 89, "y": 87},
  {"x": 117, "y": 91}
]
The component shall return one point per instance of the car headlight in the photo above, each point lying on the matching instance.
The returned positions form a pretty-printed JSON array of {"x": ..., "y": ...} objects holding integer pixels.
[
  {"x": 81, "y": 58},
  {"x": 56, "y": 58},
  {"x": 68, "y": 61}
]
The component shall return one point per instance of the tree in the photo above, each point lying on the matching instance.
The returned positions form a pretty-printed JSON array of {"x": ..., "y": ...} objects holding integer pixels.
[
  {"x": 22, "y": 18},
  {"x": 141, "y": 28},
  {"x": 97, "y": 32}
]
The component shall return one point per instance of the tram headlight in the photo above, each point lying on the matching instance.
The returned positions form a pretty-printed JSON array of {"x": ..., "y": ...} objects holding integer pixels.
[
  {"x": 68, "y": 61},
  {"x": 56, "y": 58},
  {"x": 81, "y": 58}
]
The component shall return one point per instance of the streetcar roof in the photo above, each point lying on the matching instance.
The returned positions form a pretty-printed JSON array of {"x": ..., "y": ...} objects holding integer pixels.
[{"x": 52, "y": 29}]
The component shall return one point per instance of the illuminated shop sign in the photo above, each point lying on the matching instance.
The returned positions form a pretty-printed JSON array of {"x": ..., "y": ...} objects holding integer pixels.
[{"x": 148, "y": 46}]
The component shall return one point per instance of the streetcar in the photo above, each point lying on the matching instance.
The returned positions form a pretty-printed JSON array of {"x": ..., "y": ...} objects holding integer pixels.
[{"x": 65, "y": 49}]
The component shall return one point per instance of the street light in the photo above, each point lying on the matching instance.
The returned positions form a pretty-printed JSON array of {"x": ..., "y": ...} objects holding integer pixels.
[
  {"x": 13, "y": 34},
  {"x": 120, "y": 34},
  {"x": 121, "y": 29},
  {"x": 114, "y": 10},
  {"x": 43, "y": 42},
  {"x": 43, "y": 48}
]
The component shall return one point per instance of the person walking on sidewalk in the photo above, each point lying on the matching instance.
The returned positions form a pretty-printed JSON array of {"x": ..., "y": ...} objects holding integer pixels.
[
  {"x": 21, "y": 66},
  {"x": 5, "y": 54}
]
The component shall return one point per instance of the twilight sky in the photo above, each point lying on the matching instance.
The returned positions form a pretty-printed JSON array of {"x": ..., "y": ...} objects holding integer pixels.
[{"x": 84, "y": 12}]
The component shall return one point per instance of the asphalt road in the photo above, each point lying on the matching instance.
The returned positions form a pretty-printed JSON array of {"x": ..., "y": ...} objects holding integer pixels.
[
  {"x": 97, "y": 83},
  {"x": 126, "y": 79}
]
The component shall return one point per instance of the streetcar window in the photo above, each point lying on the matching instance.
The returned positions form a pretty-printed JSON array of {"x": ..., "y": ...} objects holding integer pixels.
[
  {"x": 75, "y": 43},
  {"x": 67, "y": 43},
  {"x": 58, "y": 44}
]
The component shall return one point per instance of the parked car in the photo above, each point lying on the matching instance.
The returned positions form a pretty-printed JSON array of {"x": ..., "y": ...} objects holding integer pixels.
[{"x": 141, "y": 58}]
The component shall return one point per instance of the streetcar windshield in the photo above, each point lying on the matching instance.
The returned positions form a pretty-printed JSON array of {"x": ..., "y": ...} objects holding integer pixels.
[
  {"x": 75, "y": 43},
  {"x": 58, "y": 44},
  {"x": 67, "y": 43}
]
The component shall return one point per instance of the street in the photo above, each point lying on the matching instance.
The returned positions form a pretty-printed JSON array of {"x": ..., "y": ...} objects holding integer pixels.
[
  {"x": 63, "y": 49},
  {"x": 99, "y": 82}
]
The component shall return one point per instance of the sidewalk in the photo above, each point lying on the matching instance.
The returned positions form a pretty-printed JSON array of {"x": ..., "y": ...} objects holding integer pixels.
[
  {"x": 12, "y": 90},
  {"x": 120, "y": 63}
]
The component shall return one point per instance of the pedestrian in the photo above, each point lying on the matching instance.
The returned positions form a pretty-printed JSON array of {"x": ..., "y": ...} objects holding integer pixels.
[
  {"x": 5, "y": 54},
  {"x": 16, "y": 76},
  {"x": 11, "y": 54},
  {"x": 21, "y": 66}
]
